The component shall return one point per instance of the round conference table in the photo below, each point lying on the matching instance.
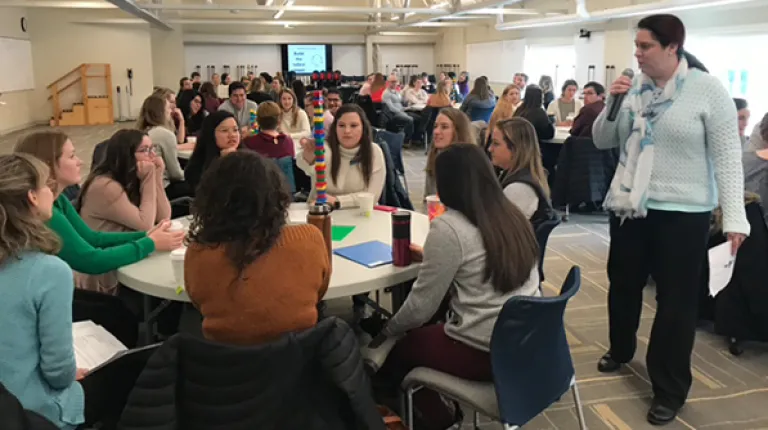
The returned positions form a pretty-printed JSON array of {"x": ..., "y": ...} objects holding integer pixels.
[
  {"x": 154, "y": 277},
  {"x": 561, "y": 134}
]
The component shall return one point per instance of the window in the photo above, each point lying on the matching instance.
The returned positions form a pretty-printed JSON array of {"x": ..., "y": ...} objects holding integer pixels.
[
  {"x": 733, "y": 59},
  {"x": 557, "y": 61}
]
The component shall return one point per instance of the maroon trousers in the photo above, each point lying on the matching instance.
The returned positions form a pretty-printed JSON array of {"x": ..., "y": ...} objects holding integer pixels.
[{"x": 430, "y": 347}]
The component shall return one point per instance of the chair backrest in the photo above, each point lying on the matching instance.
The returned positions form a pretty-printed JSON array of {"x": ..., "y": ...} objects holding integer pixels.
[
  {"x": 395, "y": 143},
  {"x": 366, "y": 104},
  {"x": 99, "y": 152},
  {"x": 531, "y": 360},
  {"x": 286, "y": 165},
  {"x": 542, "y": 237},
  {"x": 480, "y": 114}
]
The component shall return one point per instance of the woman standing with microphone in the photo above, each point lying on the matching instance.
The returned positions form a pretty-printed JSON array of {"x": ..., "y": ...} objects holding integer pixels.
[{"x": 680, "y": 153}]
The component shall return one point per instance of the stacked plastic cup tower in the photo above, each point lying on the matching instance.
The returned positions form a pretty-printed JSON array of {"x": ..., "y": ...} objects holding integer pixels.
[
  {"x": 320, "y": 183},
  {"x": 254, "y": 123}
]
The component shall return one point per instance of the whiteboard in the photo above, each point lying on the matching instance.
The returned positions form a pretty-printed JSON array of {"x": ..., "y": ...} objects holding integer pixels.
[{"x": 16, "y": 73}]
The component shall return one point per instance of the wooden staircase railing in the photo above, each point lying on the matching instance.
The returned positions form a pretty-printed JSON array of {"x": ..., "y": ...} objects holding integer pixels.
[{"x": 94, "y": 108}]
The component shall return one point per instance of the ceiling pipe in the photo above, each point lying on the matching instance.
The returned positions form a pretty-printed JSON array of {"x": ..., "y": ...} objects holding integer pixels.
[
  {"x": 457, "y": 10},
  {"x": 58, "y": 4},
  {"x": 275, "y": 23},
  {"x": 295, "y": 8},
  {"x": 131, "y": 7},
  {"x": 668, "y": 6}
]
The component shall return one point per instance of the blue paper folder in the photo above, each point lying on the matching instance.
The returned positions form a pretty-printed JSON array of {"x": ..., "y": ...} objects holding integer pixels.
[{"x": 369, "y": 254}]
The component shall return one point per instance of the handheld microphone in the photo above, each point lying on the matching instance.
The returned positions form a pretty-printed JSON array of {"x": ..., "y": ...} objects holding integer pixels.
[{"x": 619, "y": 99}]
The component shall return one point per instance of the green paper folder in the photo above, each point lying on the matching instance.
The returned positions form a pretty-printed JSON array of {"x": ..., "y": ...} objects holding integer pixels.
[{"x": 339, "y": 232}]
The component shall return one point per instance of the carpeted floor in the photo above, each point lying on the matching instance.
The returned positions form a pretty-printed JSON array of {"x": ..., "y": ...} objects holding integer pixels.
[{"x": 728, "y": 392}]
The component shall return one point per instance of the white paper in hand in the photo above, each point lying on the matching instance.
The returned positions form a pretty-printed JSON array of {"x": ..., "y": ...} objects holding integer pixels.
[
  {"x": 94, "y": 345},
  {"x": 721, "y": 264}
]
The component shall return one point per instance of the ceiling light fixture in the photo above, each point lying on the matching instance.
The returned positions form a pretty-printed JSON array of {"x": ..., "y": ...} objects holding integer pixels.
[{"x": 280, "y": 13}]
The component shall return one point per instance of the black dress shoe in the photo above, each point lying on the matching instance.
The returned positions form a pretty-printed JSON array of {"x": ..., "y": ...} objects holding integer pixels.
[
  {"x": 607, "y": 364},
  {"x": 659, "y": 414}
]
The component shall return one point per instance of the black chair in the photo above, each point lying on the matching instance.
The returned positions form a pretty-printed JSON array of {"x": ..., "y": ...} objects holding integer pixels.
[
  {"x": 13, "y": 416},
  {"x": 542, "y": 237},
  {"x": 107, "y": 311},
  {"x": 428, "y": 117},
  {"x": 99, "y": 152},
  {"x": 366, "y": 104}
]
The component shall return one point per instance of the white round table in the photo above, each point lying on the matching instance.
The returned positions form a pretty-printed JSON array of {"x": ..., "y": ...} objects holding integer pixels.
[
  {"x": 561, "y": 134},
  {"x": 154, "y": 277},
  {"x": 185, "y": 154}
]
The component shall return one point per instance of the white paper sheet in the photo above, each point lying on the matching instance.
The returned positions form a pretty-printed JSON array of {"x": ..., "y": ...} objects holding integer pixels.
[
  {"x": 94, "y": 345},
  {"x": 721, "y": 264}
]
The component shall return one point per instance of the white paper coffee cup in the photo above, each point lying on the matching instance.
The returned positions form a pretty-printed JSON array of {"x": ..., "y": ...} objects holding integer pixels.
[
  {"x": 176, "y": 226},
  {"x": 365, "y": 202},
  {"x": 177, "y": 262}
]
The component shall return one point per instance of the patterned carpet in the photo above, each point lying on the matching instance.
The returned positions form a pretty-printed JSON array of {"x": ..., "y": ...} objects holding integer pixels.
[{"x": 728, "y": 392}]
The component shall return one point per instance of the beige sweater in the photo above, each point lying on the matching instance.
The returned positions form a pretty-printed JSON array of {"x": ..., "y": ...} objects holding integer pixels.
[
  {"x": 297, "y": 131},
  {"x": 350, "y": 178},
  {"x": 106, "y": 207}
]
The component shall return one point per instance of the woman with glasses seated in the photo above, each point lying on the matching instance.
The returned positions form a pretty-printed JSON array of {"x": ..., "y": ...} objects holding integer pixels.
[{"x": 123, "y": 193}]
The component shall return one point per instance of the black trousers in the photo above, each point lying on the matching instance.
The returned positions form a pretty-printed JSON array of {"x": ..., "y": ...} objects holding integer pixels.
[{"x": 671, "y": 247}]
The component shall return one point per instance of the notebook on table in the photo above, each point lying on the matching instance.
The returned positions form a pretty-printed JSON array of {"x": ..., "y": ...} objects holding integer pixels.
[{"x": 369, "y": 254}]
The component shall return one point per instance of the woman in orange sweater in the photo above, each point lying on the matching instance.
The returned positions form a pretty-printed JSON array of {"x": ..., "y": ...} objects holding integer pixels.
[{"x": 252, "y": 277}]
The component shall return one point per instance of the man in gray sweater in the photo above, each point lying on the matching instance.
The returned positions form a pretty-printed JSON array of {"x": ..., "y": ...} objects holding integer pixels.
[{"x": 239, "y": 106}]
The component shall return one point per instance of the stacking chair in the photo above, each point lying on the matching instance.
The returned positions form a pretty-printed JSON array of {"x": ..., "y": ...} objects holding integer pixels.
[
  {"x": 531, "y": 361},
  {"x": 542, "y": 232},
  {"x": 395, "y": 143},
  {"x": 481, "y": 114}
]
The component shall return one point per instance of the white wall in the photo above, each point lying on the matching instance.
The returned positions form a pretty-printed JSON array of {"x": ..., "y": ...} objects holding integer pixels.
[
  {"x": 350, "y": 59},
  {"x": 59, "y": 45},
  {"x": 421, "y": 55},
  {"x": 267, "y": 57},
  {"x": 167, "y": 58},
  {"x": 16, "y": 113}
]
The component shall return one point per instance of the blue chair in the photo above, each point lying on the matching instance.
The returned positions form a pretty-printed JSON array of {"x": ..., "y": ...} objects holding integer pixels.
[
  {"x": 286, "y": 165},
  {"x": 395, "y": 143},
  {"x": 542, "y": 232},
  {"x": 531, "y": 361},
  {"x": 480, "y": 114}
]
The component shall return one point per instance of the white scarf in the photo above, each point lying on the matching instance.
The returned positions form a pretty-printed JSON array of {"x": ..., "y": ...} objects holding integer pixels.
[{"x": 628, "y": 195}]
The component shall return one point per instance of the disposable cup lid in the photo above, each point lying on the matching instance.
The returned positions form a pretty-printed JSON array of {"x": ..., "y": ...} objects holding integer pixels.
[{"x": 178, "y": 253}]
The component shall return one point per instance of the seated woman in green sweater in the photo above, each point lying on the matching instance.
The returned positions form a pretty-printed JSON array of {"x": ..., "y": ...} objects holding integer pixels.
[{"x": 85, "y": 250}]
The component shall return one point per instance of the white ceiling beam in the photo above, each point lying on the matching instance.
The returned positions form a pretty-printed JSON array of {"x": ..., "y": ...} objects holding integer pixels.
[
  {"x": 131, "y": 7},
  {"x": 666, "y": 6},
  {"x": 457, "y": 10},
  {"x": 58, "y": 4},
  {"x": 294, "y": 8},
  {"x": 276, "y": 23}
]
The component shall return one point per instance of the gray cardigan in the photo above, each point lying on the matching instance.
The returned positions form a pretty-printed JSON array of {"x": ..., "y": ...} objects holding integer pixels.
[{"x": 454, "y": 263}]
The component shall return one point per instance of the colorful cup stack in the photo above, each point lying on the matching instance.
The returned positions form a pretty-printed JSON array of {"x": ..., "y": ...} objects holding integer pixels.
[
  {"x": 320, "y": 183},
  {"x": 254, "y": 123}
]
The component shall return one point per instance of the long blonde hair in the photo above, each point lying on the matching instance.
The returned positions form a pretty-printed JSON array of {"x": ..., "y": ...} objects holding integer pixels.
[
  {"x": 463, "y": 133},
  {"x": 153, "y": 113},
  {"x": 504, "y": 109},
  {"x": 442, "y": 96},
  {"x": 520, "y": 138},
  {"x": 20, "y": 228},
  {"x": 170, "y": 97},
  {"x": 294, "y": 107},
  {"x": 46, "y": 146}
]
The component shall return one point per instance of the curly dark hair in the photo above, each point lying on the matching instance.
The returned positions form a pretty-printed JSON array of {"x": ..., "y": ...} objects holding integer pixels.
[{"x": 241, "y": 203}]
